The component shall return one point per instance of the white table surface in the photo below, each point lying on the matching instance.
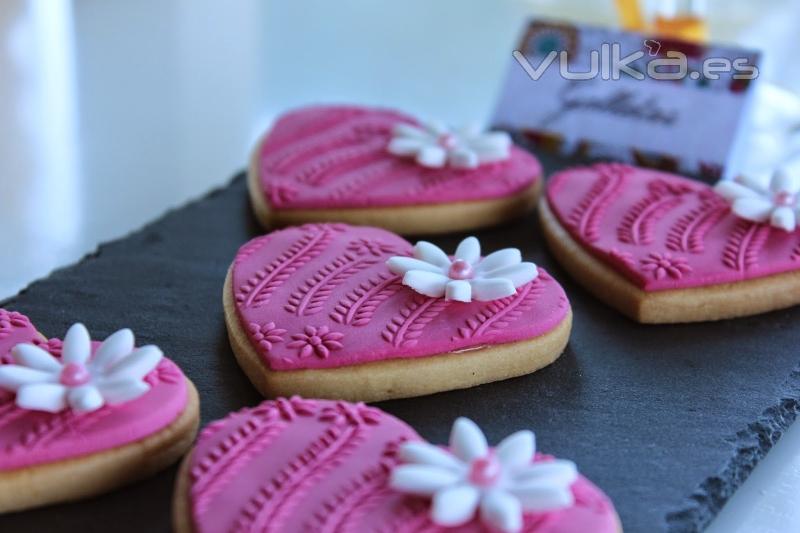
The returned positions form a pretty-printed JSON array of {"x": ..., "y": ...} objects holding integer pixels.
[{"x": 113, "y": 111}]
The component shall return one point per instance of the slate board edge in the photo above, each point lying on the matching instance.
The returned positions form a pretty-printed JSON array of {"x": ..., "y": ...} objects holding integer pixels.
[
  {"x": 698, "y": 509},
  {"x": 752, "y": 444}
]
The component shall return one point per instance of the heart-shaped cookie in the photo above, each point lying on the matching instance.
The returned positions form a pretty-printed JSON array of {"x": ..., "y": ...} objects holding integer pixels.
[
  {"x": 383, "y": 168},
  {"x": 313, "y": 465},
  {"x": 317, "y": 310},
  {"x": 80, "y": 418},
  {"x": 662, "y": 248}
]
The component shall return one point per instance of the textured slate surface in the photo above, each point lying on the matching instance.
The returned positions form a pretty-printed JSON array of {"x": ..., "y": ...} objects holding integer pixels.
[{"x": 667, "y": 419}]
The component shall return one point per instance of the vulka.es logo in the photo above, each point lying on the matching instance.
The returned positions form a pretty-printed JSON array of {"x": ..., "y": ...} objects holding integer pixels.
[{"x": 609, "y": 64}]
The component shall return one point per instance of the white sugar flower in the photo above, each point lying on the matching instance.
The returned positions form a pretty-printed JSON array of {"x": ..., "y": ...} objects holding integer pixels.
[
  {"x": 434, "y": 145},
  {"x": 79, "y": 381},
  {"x": 775, "y": 200},
  {"x": 502, "y": 483},
  {"x": 466, "y": 277}
]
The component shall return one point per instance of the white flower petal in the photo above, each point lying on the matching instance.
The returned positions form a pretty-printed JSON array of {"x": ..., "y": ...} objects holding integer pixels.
[
  {"x": 788, "y": 182},
  {"x": 757, "y": 182},
  {"x": 543, "y": 497},
  {"x": 465, "y": 148},
  {"x": 783, "y": 218},
  {"x": 516, "y": 450},
  {"x": 492, "y": 146},
  {"x": 463, "y": 158},
  {"x": 12, "y": 377},
  {"x": 557, "y": 472},
  {"x": 487, "y": 289},
  {"x": 116, "y": 392},
  {"x": 432, "y": 156},
  {"x": 427, "y": 454},
  {"x": 499, "y": 259},
  {"x": 454, "y": 506},
  {"x": 467, "y": 441},
  {"x": 469, "y": 250},
  {"x": 403, "y": 146},
  {"x": 755, "y": 209},
  {"x": 436, "y": 128},
  {"x": 400, "y": 265},
  {"x": 50, "y": 397},
  {"x": 137, "y": 365},
  {"x": 426, "y": 283},
  {"x": 502, "y": 511},
  {"x": 458, "y": 290},
  {"x": 77, "y": 345},
  {"x": 430, "y": 253},
  {"x": 470, "y": 131},
  {"x": 404, "y": 129},
  {"x": 34, "y": 357},
  {"x": 114, "y": 348},
  {"x": 422, "y": 480},
  {"x": 518, "y": 274},
  {"x": 730, "y": 190},
  {"x": 85, "y": 398}
]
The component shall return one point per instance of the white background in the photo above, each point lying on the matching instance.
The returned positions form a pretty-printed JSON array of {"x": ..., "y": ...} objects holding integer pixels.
[{"x": 113, "y": 111}]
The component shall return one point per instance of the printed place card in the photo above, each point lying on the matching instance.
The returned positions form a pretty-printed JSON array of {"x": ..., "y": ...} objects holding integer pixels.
[{"x": 606, "y": 93}]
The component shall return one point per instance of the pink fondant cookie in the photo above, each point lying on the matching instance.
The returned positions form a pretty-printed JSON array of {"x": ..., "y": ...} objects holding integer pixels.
[
  {"x": 357, "y": 313},
  {"x": 383, "y": 168},
  {"x": 314, "y": 465},
  {"x": 663, "y": 248},
  {"x": 79, "y": 418}
]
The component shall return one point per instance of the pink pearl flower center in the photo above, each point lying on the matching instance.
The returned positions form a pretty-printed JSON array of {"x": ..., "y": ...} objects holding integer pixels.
[
  {"x": 314, "y": 340},
  {"x": 484, "y": 472},
  {"x": 460, "y": 269},
  {"x": 74, "y": 375},
  {"x": 786, "y": 199},
  {"x": 446, "y": 141}
]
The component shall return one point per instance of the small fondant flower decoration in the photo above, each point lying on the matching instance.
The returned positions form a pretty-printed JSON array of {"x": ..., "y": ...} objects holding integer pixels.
[
  {"x": 502, "y": 483},
  {"x": 467, "y": 276},
  {"x": 79, "y": 380},
  {"x": 434, "y": 145},
  {"x": 320, "y": 341},
  {"x": 663, "y": 265},
  {"x": 775, "y": 200}
]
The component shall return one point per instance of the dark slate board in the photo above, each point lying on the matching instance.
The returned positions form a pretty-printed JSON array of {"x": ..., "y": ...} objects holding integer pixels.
[{"x": 669, "y": 420}]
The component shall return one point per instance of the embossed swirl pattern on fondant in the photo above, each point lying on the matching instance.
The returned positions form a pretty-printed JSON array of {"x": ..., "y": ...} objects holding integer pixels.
[
  {"x": 323, "y": 466},
  {"x": 663, "y": 231},
  {"x": 336, "y": 157},
  {"x": 321, "y": 296}
]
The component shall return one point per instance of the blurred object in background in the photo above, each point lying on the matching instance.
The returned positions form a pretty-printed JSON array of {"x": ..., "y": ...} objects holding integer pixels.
[
  {"x": 611, "y": 96},
  {"x": 681, "y": 19},
  {"x": 630, "y": 15},
  {"x": 676, "y": 19},
  {"x": 773, "y": 138}
]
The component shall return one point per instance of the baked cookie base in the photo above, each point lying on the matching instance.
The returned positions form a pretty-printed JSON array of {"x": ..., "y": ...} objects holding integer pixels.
[
  {"x": 97, "y": 473},
  {"x": 181, "y": 515},
  {"x": 422, "y": 219},
  {"x": 396, "y": 378},
  {"x": 697, "y": 304}
]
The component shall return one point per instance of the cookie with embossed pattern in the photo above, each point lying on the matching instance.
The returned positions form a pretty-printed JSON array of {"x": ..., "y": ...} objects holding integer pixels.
[
  {"x": 315, "y": 465},
  {"x": 662, "y": 248},
  {"x": 358, "y": 313},
  {"x": 79, "y": 418},
  {"x": 383, "y": 168}
]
